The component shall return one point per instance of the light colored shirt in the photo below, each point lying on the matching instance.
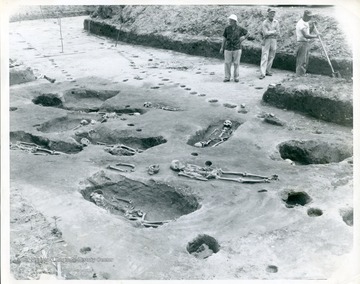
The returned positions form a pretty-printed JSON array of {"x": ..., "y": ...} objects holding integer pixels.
[
  {"x": 268, "y": 27},
  {"x": 300, "y": 27}
]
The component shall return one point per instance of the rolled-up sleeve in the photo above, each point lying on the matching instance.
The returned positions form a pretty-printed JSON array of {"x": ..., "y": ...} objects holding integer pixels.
[
  {"x": 225, "y": 33},
  {"x": 266, "y": 29}
]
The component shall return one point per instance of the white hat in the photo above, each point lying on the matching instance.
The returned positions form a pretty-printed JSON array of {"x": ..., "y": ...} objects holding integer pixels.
[{"x": 233, "y": 17}]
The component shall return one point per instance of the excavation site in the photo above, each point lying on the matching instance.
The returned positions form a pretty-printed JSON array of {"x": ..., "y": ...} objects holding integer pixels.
[{"x": 133, "y": 157}]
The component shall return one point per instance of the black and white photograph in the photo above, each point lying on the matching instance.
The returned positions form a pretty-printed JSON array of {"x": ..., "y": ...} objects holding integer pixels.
[{"x": 180, "y": 141}]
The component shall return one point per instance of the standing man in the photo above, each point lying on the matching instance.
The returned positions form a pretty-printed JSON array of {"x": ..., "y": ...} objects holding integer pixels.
[
  {"x": 303, "y": 38},
  {"x": 233, "y": 35},
  {"x": 270, "y": 31}
]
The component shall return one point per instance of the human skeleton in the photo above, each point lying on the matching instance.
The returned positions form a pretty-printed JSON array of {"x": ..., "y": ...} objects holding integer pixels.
[
  {"x": 120, "y": 149},
  {"x": 33, "y": 148},
  {"x": 105, "y": 116},
  {"x": 206, "y": 173},
  {"x": 131, "y": 213},
  {"x": 159, "y": 106},
  {"x": 218, "y": 135}
]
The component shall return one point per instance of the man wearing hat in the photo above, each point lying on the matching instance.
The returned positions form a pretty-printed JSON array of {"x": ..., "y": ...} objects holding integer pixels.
[
  {"x": 231, "y": 46},
  {"x": 303, "y": 38},
  {"x": 270, "y": 31}
]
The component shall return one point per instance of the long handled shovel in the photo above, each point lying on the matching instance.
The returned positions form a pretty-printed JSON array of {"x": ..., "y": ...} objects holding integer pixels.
[
  {"x": 334, "y": 74},
  {"x": 117, "y": 38}
]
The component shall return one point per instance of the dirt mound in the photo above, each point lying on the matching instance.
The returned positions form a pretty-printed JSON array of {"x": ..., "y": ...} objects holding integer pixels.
[
  {"x": 314, "y": 152},
  {"x": 198, "y": 30},
  {"x": 328, "y": 99},
  {"x": 20, "y": 75}
]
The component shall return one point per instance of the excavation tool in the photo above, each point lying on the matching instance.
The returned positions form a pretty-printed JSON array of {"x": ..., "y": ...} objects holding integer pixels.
[
  {"x": 335, "y": 74},
  {"x": 117, "y": 38},
  {"x": 61, "y": 37},
  {"x": 42, "y": 13}
]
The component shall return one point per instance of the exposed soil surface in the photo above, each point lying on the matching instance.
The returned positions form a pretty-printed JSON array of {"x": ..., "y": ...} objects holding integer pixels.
[
  {"x": 217, "y": 229},
  {"x": 23, "y": 13},
  {"x": 37, "y": 249}
]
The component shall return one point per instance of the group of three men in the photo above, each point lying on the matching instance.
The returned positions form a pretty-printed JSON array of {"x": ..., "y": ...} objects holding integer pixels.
[{"x": 234, "y": 35}]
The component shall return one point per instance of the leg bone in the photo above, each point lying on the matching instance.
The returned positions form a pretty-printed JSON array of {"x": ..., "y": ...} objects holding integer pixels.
[{"x": 190, "y": 176}]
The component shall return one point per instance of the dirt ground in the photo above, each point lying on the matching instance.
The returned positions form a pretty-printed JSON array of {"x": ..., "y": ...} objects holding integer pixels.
[
  {"x": 296, "y": 227},
  {"x": 23, "y": 13}
]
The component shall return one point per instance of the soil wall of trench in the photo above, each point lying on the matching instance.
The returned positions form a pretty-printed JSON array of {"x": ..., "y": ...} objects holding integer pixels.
[{"x": 197, "y": 30}]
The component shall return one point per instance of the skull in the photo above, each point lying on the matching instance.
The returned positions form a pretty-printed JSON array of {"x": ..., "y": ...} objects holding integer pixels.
[
  {"x": 97, "y": 197},
  {"x": 84, "y": 122},
  {"x": 147, "y": 104},
  {"x": 227, "y": 123},
  {"x": 153, "y": 169},
  {"x": 85, "y": 141},
  {"x": 112, "y": 115},
  {"x": 176, "y": 165}
]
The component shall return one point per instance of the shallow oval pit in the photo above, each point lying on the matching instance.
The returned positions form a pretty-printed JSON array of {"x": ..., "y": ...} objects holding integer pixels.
[
  {"x": 144, "y": 204},
  {"x": 83, "y": 93},
  {"x": 88, "y": 100},
  {"x": 119, "y": 143},
  {"x": 314, "y": 212},
  {"x": 72, "y": 121},
  {"x": 48, "y": 100},
  {"x": 31, "y": 141},
  {"x": 295, "y": 198},
  {"x": 229, "y": 105},
  {"x": 203, "y": 246},
  {"x": 272, "y": 269},
  {"x": 212, "y": 134},
  {"x": 347, "y": 215}
]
